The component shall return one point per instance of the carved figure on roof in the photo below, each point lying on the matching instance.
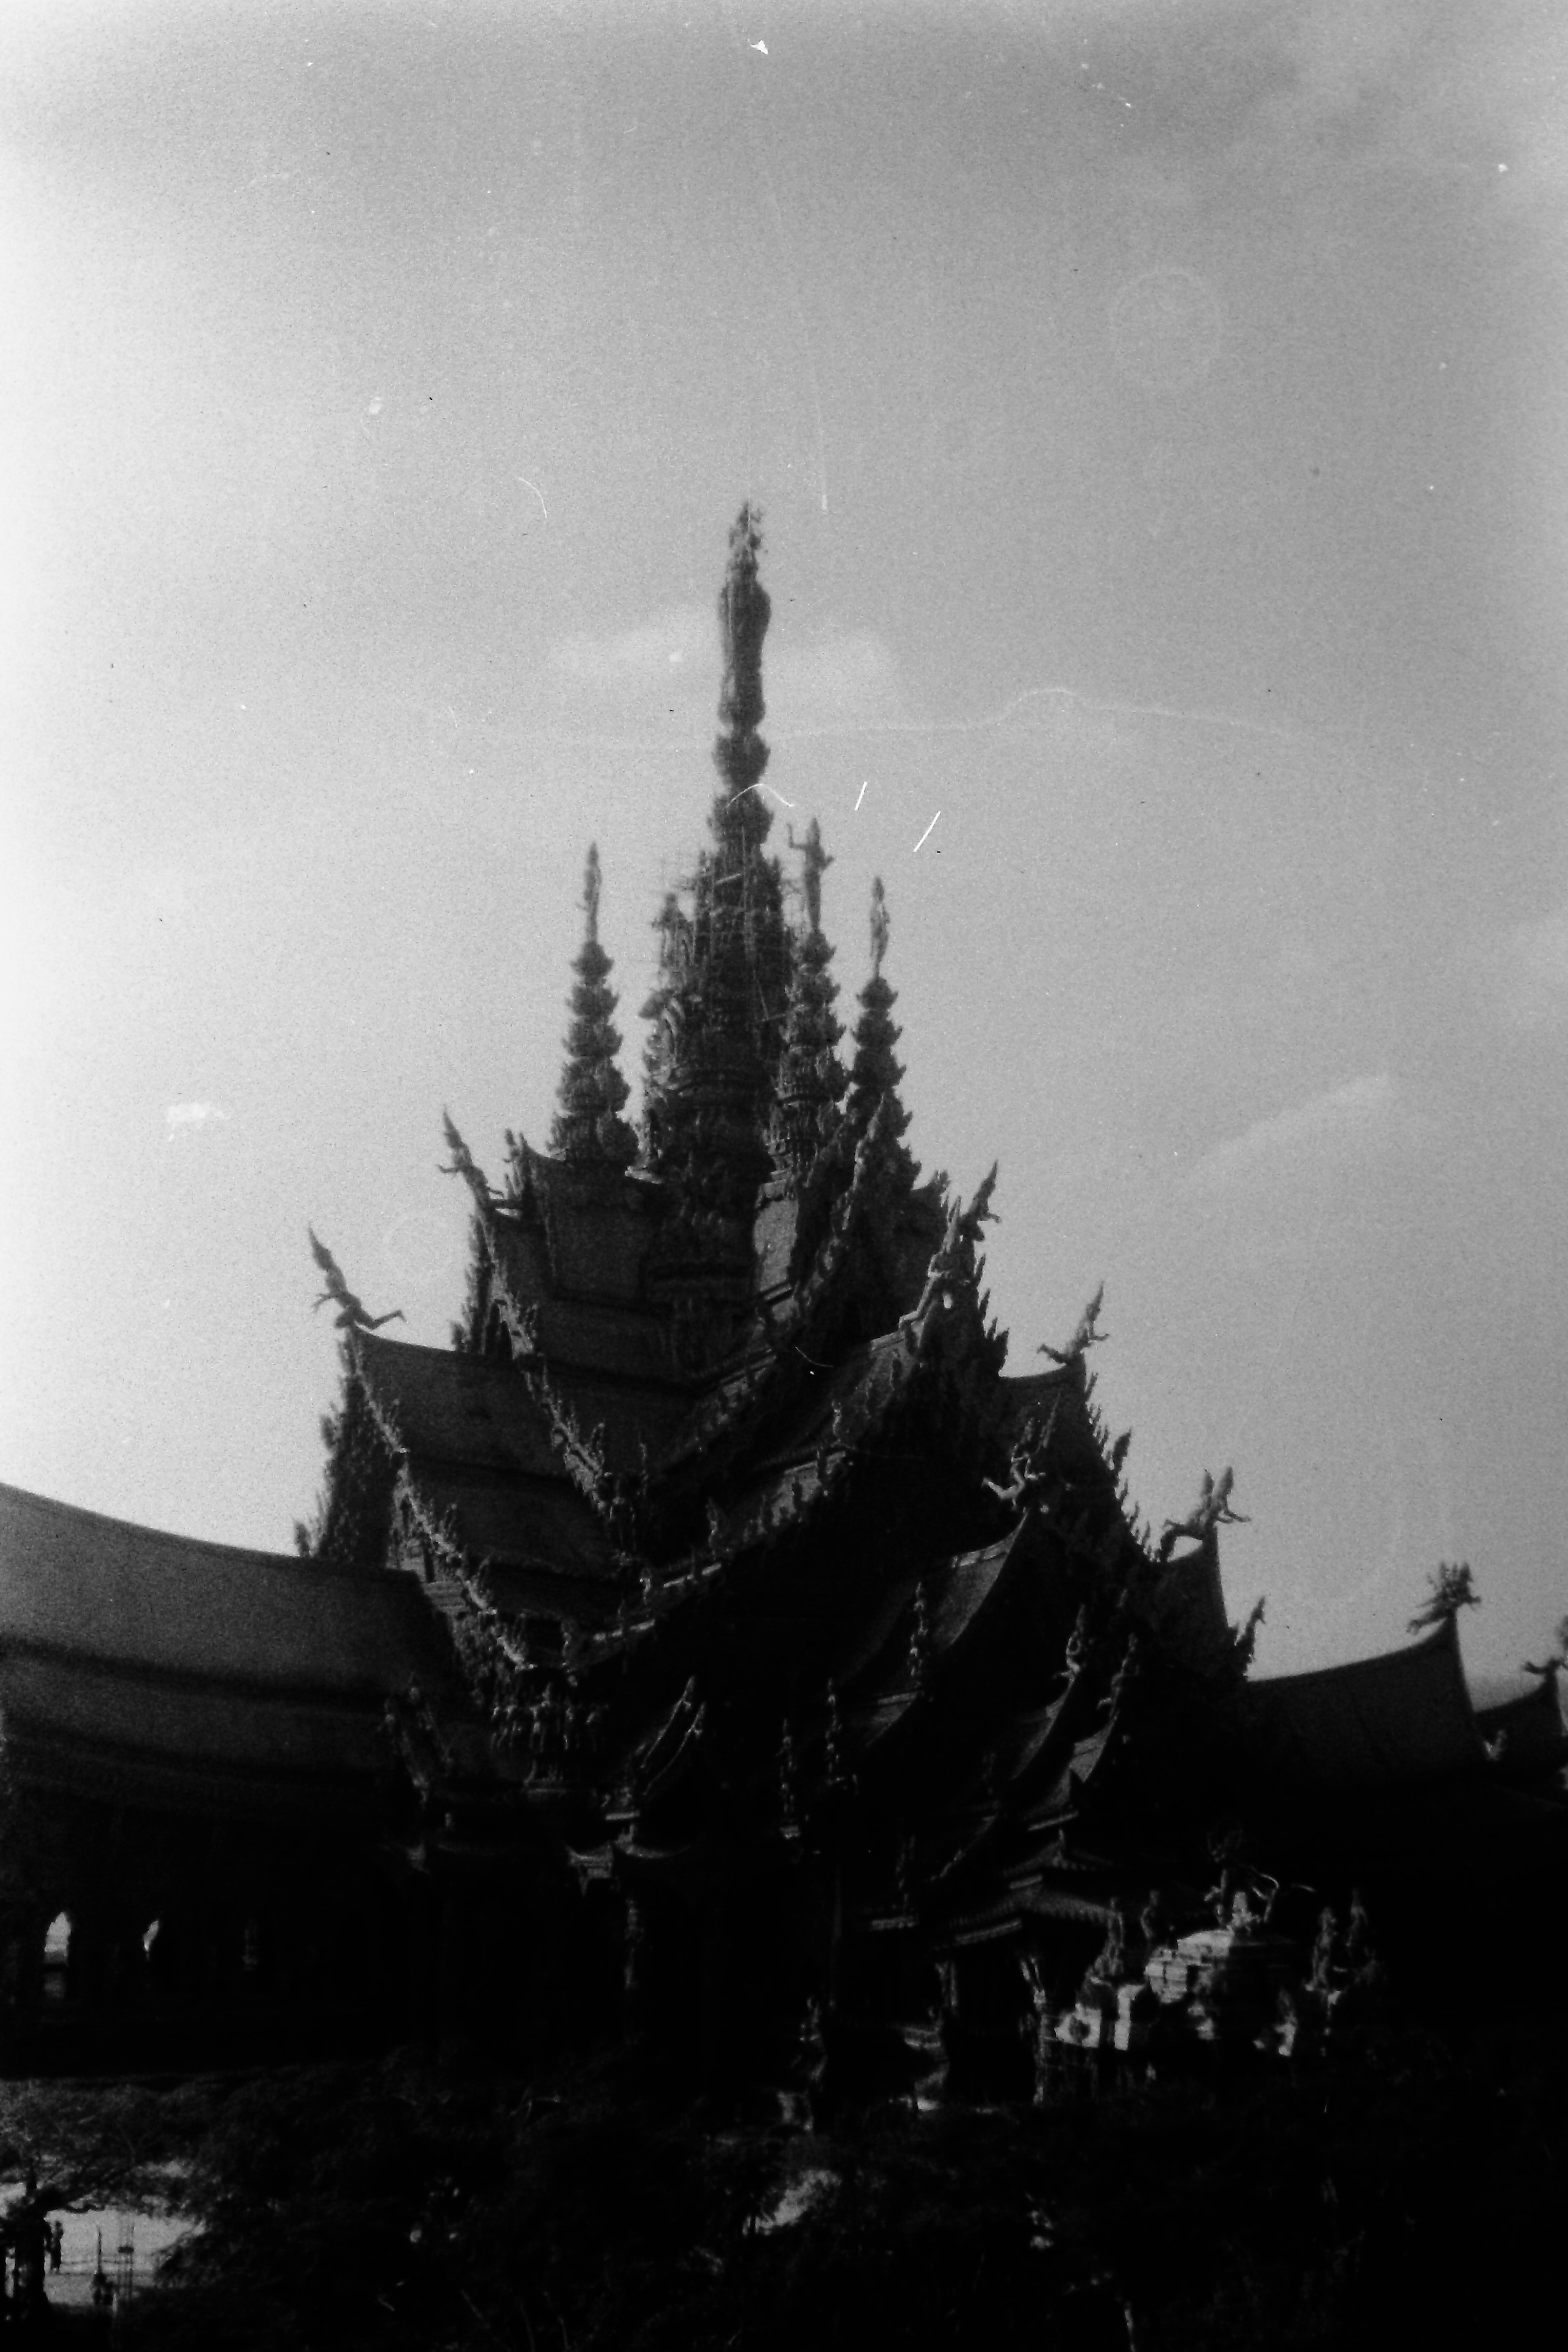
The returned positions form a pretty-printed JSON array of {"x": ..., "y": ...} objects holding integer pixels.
[
  {"x": 1246, "y": 1639},
  {"x": 812, "y": 2067},
  {"x": 352, "y": 1315},
  {"x": 1038, "y": 2025},
  {"x": 1028, "y": 1462},
  {"x": 814, "y": 862},
  {"x": 1128, "y": 1672},
  {"x": 1213, "y": 1510},
  {"x": 923, "y": 1647},
  {"x": 789, "y": 1778},
  {"x": 1451, "y": 1587},
  {"x": 1556, "y": 1658},
  {"x": 881, "y": 930},
  {"x": 980, "y": 1212},
  {"x": 1079, "y": 1642},
  {"x": 1086, "y": 1335},
  {"x": 836, "y": 1772},
  {"x": 463, "y": 1163},
  {"x": 1155, "y": 1923},
  {"x": 1326, "y": 1975},
  {"x": 1356, "y": 1944},
  {"x": 1107, "y": 1966}
]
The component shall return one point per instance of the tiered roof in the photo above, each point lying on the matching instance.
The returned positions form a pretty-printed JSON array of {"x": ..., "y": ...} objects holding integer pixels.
[
  {"x": 720, "y": 1540},
  {"x": 725, "y": 1461}
]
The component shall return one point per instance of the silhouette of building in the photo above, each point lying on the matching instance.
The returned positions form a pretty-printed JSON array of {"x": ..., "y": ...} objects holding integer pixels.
[{"x": 715, "y": 1637}]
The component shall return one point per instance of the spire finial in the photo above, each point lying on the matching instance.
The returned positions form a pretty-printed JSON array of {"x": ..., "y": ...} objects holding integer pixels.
[
  {"x": 881, "y": 929},
  {"x": 814, "y": 862},
  {"x": 588, "y": 1126},
  {"x": 743, "y": 614}
]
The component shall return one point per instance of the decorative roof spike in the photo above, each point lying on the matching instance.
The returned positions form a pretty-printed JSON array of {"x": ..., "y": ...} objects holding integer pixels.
[
  {"x": 745, "y": 611},
  {"x": 723, "y": 988},
  {"x": 875, "y": 1070},
  {"x": 815, "y": 862},
  {"x": 588, "y": 1128},
  {"x": 881, "y": 929},
  {"x": 1450, "y": 1588},
  {"x": 1087, "y": 1334}
]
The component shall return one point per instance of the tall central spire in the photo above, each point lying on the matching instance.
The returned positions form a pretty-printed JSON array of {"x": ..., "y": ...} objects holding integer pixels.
[
  {"x": 724, "y": 974},
  {"x": 741, "y": 816}
]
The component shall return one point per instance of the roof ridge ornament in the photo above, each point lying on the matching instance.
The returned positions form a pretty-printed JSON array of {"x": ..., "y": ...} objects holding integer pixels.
[
  {"x": 1213, "y": 1510},
  {"x": 464, "y": 1164},
  {"x": 1086, "y": 1334},
  {"x": 353, "y": 1315},
  {"x": 1450, "y": 1588}
]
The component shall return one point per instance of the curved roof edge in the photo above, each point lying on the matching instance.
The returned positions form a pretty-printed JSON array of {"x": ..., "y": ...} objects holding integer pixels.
[
  {"x": 1402, "y": 1715},
  {"x": 232, "y": 1555},
  {"x": 80, "y": 1582}
]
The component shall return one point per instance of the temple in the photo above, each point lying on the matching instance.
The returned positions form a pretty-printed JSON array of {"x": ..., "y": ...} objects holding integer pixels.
[{"x": 715, "y": 1647}]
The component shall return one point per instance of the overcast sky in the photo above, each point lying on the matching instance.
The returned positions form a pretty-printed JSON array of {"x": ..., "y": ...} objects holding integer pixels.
[{"x": 1158, "y": 415}]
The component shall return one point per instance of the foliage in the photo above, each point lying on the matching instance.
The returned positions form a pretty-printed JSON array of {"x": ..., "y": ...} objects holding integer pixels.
[{"x": 385, "y": 2207}]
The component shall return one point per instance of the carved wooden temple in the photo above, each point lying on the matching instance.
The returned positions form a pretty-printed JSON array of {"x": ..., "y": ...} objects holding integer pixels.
[{"x": 714, "y": 1636}]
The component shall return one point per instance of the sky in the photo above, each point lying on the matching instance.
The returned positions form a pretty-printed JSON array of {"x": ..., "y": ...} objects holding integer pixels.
[{"x": 1156, "y": 413}]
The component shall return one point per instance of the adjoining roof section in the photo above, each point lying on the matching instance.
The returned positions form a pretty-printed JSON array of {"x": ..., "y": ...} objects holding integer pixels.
[
  {"x": 83, "y": 1726},
  {"x": 78, "y": 1583},
  {"x": 147, "y": 1668},
  {"x": 1524, "y": 1735},
  {"x": 449, "y": 1408},
  {"x": 476, "y": 1460},
  {"x": 1377, "y": 1723}
]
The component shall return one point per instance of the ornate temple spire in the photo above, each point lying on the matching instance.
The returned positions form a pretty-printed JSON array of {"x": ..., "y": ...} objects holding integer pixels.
[
  {"x": 811, "y": 1078},
  {"x": 589, "y": 1130},
  {"x": 740, "y": 815},
  {"x": 724, "y": 974},
  {"x": 875, "y": 1072}
]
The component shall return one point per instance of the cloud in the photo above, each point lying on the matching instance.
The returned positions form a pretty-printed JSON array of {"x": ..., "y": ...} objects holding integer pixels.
[
  {"x": 652, "y": 654},
  {"x": 192, "y": 1114},
  {"x": 832, "y": 679},
  {"x": 1327, "y": 1125},
  {"x": 837, "y": 677}
]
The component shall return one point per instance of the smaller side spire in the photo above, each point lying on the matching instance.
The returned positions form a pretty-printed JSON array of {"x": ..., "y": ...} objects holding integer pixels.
[
  {"x": 811, "y": 1078},
  {"x": 875, "y": 1071},
  {"x": 665, "y": 1013},
  {"x": 588, "y": 1128}
]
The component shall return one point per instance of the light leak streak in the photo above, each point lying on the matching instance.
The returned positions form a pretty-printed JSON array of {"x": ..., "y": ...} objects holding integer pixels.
[
  {"x": 762, "y": 788},
  {"x": 861, "y": 794}
]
